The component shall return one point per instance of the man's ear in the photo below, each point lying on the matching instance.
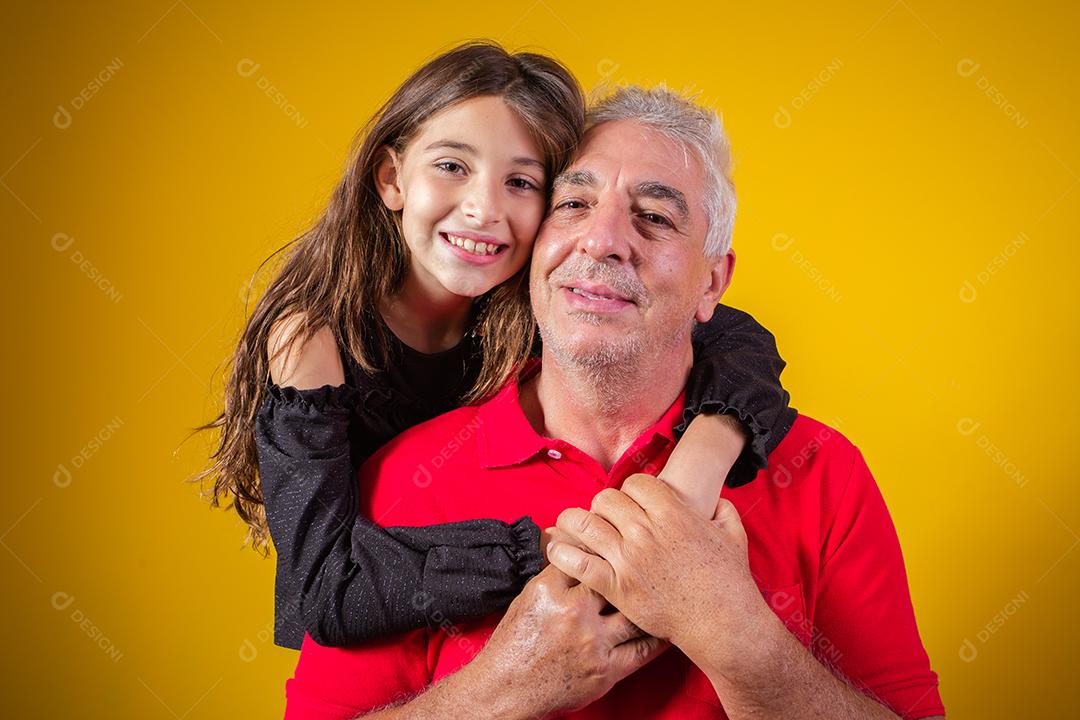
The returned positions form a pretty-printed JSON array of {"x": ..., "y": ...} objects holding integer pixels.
[
  {"x": 720, "y": 274},
  {"x": 387, "y": 179}
]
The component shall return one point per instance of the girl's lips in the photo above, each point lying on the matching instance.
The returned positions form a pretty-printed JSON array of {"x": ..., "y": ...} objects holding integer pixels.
[{"x": 472, "y": 257}]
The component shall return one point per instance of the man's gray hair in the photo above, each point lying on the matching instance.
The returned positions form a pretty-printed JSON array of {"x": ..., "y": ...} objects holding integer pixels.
[{"x": 699, "y": 131}]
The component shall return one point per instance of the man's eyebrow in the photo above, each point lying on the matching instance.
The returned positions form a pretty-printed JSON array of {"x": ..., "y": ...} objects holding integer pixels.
[
  {"x": 659, "y": 191},
  {"x": 577, "y": 178}
]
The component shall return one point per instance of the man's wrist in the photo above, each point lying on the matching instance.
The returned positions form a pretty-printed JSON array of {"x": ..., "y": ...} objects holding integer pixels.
[
  {"x": 745, "y": 654},
  {"x": 480, "y": 690},
  {"x": 779, "y": 677}
]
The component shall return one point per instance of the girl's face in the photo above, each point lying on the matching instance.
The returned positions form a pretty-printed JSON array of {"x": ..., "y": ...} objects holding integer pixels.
[{"x": 470, "y": 187}]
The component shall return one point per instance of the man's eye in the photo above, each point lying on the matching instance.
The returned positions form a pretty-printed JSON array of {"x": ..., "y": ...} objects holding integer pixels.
[
  {"x": 522, "y": 184},
  {"x": 570, "y": 205},
  {"x": 450, "y": 166},
  {"x": 657, "y": 219}
]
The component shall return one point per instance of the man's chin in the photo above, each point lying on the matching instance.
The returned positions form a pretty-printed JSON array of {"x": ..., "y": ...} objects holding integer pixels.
[
  {"x": 603, "y": 326},
  {"x": 596, "y": 353},
  {"x": 586, "y": 330}
]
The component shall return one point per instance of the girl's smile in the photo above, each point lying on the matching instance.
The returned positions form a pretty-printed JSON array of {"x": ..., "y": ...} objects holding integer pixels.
[{"x": 474, "y": 247}]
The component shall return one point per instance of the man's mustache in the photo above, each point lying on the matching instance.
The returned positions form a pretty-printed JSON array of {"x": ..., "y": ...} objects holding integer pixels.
[{"x": 584, "y": 267}]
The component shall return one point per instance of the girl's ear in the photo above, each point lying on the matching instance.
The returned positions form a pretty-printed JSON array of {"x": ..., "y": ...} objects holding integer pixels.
[{"x": 386, "y": 180}]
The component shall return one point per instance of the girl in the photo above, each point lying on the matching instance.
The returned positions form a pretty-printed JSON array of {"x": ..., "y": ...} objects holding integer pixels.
[{"x": 407, "y": 298}]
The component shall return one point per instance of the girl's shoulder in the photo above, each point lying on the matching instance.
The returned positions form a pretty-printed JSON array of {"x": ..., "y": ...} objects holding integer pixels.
[{"x": 303, "y": 359}]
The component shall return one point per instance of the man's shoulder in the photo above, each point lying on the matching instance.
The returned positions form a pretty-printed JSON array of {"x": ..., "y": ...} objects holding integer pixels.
[
  {"x": 815, "y": 471},
  {"x": 812, "y": 449}
]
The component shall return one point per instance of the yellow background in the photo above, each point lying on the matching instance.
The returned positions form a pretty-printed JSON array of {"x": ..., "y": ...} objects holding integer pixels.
[{"x": 910, "y": 239}]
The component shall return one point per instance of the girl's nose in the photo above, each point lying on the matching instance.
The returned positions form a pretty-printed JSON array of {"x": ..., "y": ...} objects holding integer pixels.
[{"x": 483, "y": 203}]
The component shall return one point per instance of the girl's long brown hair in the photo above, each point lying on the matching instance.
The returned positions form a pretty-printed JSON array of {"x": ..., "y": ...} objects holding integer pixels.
[{"x": 337, "y": 273}]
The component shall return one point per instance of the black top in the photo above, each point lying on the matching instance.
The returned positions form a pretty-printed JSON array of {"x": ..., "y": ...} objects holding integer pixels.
[{"x": 344, "y": 579}]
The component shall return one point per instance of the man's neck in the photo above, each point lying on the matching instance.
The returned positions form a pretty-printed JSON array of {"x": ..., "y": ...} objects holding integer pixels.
[{"x": 602, "y": 413}]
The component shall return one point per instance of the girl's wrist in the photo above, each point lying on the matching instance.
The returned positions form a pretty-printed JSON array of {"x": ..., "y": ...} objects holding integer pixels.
[{"x": 702, "y": 459}]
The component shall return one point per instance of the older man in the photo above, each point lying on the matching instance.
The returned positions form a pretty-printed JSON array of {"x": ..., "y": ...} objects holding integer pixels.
[{"x": 792, "y": 602}]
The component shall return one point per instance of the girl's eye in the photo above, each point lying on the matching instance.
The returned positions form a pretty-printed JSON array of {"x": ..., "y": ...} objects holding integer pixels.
[
  {"x": 450, "y": 166},
  {"x": 520, "y": 183}
]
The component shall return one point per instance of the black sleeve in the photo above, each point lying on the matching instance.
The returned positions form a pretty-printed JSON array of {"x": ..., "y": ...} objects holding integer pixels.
[
  {"x": 737, "y": 371},
  {"x": 341, "y": 577}
]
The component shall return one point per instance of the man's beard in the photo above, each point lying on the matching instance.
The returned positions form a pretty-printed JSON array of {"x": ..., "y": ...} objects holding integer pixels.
[
  {"x": 607, "y": 362},
  {"x": 612, "y": 370},
  {"x": 602, "y": 361},
  {"x": 609, "y": 369},
  {"x": 601, "y": 374}
]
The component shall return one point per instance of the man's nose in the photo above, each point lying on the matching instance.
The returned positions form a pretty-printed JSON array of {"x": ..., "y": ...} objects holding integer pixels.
[
  {"x": 482, "y": 204},
  {"x": 608, "y": 235}
]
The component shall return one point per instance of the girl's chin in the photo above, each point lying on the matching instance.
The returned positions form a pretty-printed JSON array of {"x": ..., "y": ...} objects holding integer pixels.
[
  {"x": 472, "y": 284},
  {"x": 468, "y": 288}
]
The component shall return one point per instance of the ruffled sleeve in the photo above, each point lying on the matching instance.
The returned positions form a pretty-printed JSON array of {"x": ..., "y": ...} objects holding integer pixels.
[
  {"x": 341, "y": 577},
  {"x": 737, "y": 371}
]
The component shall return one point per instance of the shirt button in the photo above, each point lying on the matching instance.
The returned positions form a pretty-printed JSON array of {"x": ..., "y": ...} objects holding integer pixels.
[{"x": 554, "y": 454}]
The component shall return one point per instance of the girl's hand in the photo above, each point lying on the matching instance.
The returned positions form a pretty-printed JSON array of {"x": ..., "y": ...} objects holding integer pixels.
[
  {"x": 702, "y": 459},
  {"x": 551, "y": 534}
]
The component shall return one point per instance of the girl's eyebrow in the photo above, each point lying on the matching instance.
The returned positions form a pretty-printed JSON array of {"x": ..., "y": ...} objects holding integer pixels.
[
  {"x": 452, "y": 145},
  {"x": 471, "y": 149},
  {"x": 529, "y": 161}
]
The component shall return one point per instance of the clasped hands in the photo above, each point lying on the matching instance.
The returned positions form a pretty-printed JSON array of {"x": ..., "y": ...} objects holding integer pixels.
[{"x": 672, "y": 576}]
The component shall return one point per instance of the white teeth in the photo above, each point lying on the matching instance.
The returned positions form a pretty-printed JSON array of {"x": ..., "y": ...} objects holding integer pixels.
[{"x": 477, "y": 248}]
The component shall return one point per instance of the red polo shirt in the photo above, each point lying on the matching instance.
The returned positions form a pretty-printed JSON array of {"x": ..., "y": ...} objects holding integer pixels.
[{"x": 822, "y": 548}]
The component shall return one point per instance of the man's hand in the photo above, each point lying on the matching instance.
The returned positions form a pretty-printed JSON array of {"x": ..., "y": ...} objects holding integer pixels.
[
  {"x": 688, "y": 580},
  {"x": 554, "y": 652},
  {"x": 676, "y": 575}
]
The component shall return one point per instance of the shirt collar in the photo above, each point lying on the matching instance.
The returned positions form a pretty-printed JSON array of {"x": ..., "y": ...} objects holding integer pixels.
[
  {"x": 506, "y": 435},
  {"x": 508, "y": 438}
]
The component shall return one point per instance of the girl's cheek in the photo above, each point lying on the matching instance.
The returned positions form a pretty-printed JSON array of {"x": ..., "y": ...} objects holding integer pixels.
[
  {"x": 422, "y": 197},
  {"x": 432, "y": 198},
  {"x": 528, "y": 224}
]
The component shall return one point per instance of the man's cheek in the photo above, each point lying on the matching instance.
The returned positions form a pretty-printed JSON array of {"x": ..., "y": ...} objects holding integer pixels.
[
  {"x": 544, "y": 260},
  {"x": 545, "y": 239}
]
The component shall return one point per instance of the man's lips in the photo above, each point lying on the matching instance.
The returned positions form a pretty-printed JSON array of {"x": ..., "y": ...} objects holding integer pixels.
[
  {"x": 595, "y": 298},
  {"x": 596, "y": 291}
]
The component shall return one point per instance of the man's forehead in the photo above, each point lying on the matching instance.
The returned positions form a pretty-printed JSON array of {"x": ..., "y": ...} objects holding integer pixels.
[{"x": 628, "y": 152}]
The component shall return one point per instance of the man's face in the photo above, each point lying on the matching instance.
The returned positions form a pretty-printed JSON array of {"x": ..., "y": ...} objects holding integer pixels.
[{"x": 618, "y": 269}]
